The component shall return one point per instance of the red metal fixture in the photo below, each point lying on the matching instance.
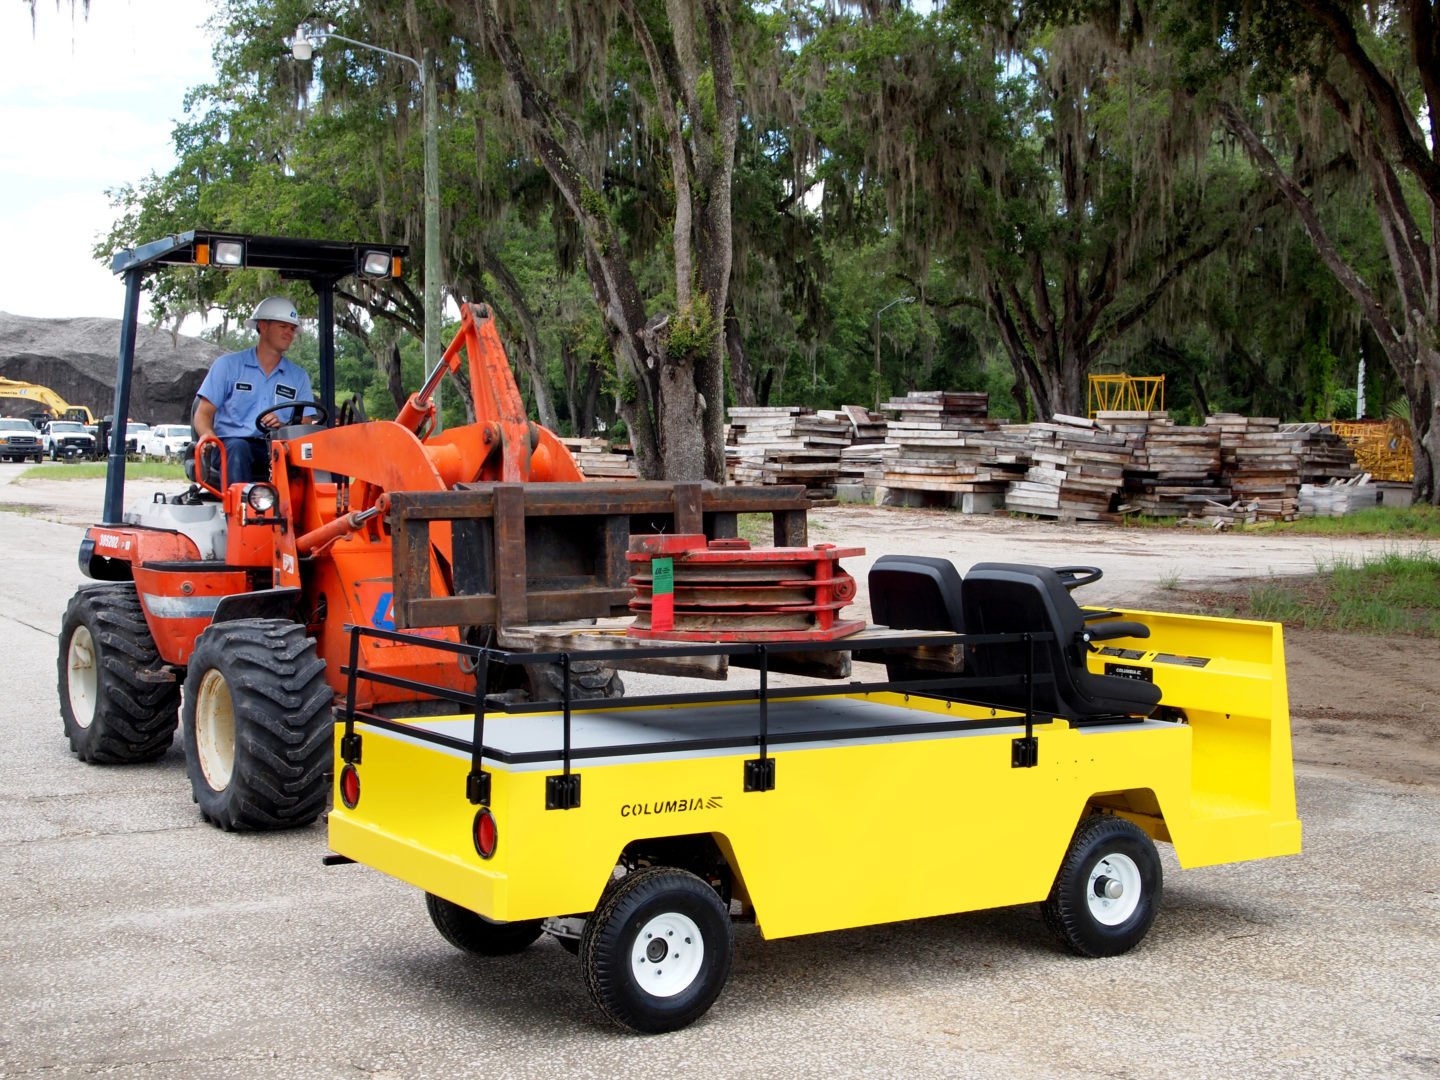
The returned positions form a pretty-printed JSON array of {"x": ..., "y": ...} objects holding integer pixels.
[{"x": 725, "y": 590}]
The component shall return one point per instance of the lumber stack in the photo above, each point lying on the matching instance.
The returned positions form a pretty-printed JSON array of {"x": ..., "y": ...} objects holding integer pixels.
[
  {"x": 786, "y": 444},
  {"x": 860, "y": 462},
  {"x": 598, "y": 461},
  {"x": 1324, "y": 455},
  {"x": 1172, "y": 468},
  {"x": 1077, "y": 471},
  {"x": 1263, "y": 464},
  {"x": 942, "y": 441}
]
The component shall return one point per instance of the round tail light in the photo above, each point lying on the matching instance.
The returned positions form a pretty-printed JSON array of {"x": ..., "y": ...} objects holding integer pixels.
[
  {"x": 349, "y": 786},
  {"x": 486, "y": 834}
]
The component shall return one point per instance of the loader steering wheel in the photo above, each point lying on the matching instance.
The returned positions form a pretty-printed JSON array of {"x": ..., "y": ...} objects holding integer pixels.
[
  {"x": 1072, "y": 577},
  {"x": 260, "y": 426}
]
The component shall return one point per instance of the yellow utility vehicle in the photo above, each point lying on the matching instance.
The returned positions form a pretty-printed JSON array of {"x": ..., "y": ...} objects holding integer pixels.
[{"x": 637, "y": 832}]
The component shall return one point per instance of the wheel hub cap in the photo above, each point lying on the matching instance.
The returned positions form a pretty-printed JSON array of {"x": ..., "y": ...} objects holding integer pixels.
[
  {"x": 667, "y": 955},
  {"x": 82, "y": 679},
  {"x": 215, "y": 730},
  {"x": 1114, "y": 891}
]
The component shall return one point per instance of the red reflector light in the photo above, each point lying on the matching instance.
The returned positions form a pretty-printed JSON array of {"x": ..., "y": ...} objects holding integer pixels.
[
  {"x": 485, "y": 833},
  {"x": 349, "y": 786}
]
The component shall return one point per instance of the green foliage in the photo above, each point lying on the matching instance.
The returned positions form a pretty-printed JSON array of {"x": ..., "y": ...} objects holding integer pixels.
[
  {"x": 1418, "y": 521},
  {"x": 1393, "y": 593}
]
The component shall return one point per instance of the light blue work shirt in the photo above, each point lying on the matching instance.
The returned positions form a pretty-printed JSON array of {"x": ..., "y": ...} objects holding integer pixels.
[{"x": 240, "y": 391}]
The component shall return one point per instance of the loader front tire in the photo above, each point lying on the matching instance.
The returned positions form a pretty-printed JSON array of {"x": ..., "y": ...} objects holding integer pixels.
[
  {"x": 118, "y": 701},
  {"x": 589, "y": 681},
  {"x": 1107, "y": 891},
  {"x": 256, "y": 725},
  {"x": 471, "y": 933}
]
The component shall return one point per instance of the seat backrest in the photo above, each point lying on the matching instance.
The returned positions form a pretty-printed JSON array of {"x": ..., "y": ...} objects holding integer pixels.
[
  {"x": 1010, "y": 598},
  {"x": 914, "y": 592}
]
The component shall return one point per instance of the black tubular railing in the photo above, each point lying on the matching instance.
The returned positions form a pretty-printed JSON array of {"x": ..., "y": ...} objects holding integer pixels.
[{"x": 563, "y": 790}]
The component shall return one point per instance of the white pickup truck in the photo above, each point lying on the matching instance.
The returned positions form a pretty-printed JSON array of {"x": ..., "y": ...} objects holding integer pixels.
[{"x": 168, "y": 441}]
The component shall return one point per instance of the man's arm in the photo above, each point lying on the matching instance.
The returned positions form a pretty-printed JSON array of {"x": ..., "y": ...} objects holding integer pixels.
[{"x": 204, "y": 417}]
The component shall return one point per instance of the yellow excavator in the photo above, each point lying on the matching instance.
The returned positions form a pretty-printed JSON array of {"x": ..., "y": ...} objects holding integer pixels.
[{"x": 42, "y": 400}]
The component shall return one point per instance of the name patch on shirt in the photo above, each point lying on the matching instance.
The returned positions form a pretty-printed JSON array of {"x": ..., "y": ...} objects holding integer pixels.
[
  {"x": 287, "y": 392},
  {"x": 243, "y": 386}
]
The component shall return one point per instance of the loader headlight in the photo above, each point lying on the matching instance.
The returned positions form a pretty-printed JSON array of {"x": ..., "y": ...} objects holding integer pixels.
[
  {"x": 229, "y": 253},
  {"x": 376, "y": 264},
  {"x": 261, "y": 498}
]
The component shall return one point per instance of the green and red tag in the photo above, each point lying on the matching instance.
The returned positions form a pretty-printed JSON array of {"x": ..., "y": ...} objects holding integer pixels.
[{"x": 662, "y": 594}]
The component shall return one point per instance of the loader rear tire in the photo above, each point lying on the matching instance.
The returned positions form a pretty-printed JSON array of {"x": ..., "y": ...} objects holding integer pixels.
[
  {"x": 118, "y": 700},
  {"x": 589, "y": 681},
  {"x": 256, "y": 725},
  {"x": 466, "y": 930}
]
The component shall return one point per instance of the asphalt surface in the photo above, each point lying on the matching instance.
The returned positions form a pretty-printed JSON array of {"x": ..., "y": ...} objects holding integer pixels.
[{"x": 137, "y": 941}]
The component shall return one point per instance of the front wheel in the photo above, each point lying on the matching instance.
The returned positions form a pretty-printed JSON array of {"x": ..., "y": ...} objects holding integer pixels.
[
  {"x": 466, "y": 930},
  {"x": 118, "y": 700},
  {"x": 256, "y": 725},
  {"x": 656, "y": 952},
  {"x": 1107, "y": 892}
]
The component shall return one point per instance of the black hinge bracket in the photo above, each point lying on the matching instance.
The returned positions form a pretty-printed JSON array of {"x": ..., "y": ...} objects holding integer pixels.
[
  {"x": 477, "y": 787},
  {"x": 760, "y": 774},
  {"x": 1024, "y": 752},
  {"x": 350, "y": 748},
  {"x": 562, "y": 792},
  {"x": 336, "y": 860}
]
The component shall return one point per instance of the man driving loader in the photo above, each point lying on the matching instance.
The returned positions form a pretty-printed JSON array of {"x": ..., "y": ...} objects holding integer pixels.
[{"x": 244, "y": 387}]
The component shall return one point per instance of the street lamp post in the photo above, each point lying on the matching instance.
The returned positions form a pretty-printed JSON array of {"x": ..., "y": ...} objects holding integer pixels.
[
  {"x": 887, "y": 307},
  {"x": 302, "y": 47}
]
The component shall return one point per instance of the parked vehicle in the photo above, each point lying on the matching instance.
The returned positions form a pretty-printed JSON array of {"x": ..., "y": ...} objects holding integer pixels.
[
  {"x": 65, "y": 440},
  {"x": 19, "y": 440},
  {"x": 168, "y": 441},
  {"x": 135, "y": 432}
]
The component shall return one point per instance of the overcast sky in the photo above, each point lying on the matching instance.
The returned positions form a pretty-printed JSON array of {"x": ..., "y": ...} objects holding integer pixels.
[{"x": 85, "y": 105}]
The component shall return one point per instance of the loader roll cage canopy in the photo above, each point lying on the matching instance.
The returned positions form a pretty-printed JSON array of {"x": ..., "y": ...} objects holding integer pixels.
[{"x": 322, "y": 263}]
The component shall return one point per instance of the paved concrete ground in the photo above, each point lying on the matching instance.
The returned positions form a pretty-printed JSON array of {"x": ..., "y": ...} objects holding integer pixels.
[{"x": 137, "y": 941}]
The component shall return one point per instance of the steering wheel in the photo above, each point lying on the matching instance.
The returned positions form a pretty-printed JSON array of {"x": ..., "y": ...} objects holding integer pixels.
[
  {"x": 1072, "y": 577},
  {"x": 324, "y": 416},
  {"x": 351, "y": 411}
]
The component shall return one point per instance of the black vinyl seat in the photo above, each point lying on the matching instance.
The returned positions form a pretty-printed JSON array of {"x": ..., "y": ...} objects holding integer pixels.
[
  {"x": 1011, "y": 598},
  {"x": 914, "y": 592}
]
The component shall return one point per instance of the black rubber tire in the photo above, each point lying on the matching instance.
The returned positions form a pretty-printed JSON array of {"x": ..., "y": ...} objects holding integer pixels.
[
  {"x": 588, "y": 682},
  {"x": 614, "y": 928},
  {"x": 261, "y": 679},
  {"x": 466, "y": 930},
  {"x": 1067, "y": 910},
  {"x": 134, "y": 702}
]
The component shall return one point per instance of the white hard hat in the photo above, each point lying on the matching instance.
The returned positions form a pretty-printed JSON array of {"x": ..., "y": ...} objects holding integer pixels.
[{"x": 273, "y": 309}]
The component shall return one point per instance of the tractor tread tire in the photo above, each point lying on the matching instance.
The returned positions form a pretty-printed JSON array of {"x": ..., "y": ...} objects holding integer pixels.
[
  {"x": 589, "y": 681},
  {"x": 283, "y": 729},
  {"x": 137, "y": 697}
]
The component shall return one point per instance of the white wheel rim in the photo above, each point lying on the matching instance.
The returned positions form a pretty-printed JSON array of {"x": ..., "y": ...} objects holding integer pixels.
[
  {"x": 1114, "y": 870},
  {"x": 667, "y": 954},
  {"x": 81, "y": 678},
  {"x": 215, "y": 730}
]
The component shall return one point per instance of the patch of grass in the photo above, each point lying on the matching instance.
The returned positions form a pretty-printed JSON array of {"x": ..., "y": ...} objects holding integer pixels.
[
  {"x": 1170, "y": 580},
  {"x": 95, "y": 470},
  {"x": 1392, "y": 593},
  {"x": 1407, "y": 521},
  {"x": 757, "y": 529}
]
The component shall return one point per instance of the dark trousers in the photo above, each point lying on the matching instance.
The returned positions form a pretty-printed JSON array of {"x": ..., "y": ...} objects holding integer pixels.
[{"x": 246, "y": 460}]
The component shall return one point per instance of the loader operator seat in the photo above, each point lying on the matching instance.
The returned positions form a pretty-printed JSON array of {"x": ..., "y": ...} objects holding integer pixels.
[{"x": 1010, "y": 598}]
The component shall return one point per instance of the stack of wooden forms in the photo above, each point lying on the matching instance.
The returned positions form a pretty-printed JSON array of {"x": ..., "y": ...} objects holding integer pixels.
[
  {"x": 942, "y": 441},
  {"x": 1324, "y": 455},
  {"x": 860, "y": 461},
  {"x": 1078, "y": 471},
  {"x": 786, "y": 444},
  {"x": 1172, "y": 469},
  {"x": 598, "y": 461}
]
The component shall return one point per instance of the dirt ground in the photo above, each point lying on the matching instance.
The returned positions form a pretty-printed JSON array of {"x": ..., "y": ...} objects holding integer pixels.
[{"x": 1359, "y": 703}]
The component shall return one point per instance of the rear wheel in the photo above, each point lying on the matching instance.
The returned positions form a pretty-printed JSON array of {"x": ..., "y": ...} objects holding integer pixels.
[
  {"x": 589, "y": 681},
  {"x": 1107, "y": 892},
  {"x": 656, "y": 952},
  {"x": 466, "y": 930},
  {"x": 117, "y": 699},
  {"x": 256, "y": 725}
]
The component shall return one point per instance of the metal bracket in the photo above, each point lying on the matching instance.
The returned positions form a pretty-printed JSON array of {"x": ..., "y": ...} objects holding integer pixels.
[
  {"x": 477, "y": 787},
  {"x": 350, "y": 748},
  {"x": 760, "y": 774},
  {"x": 1024, "y": 752},
  {"x": 562, "y": 792}
]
